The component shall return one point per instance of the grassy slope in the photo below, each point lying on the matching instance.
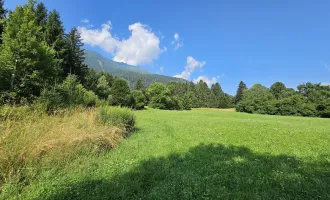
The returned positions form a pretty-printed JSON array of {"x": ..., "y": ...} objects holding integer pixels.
[{"x": 202, "y": 154}]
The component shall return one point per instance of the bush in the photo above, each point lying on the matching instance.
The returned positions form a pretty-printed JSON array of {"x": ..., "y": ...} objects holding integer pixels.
[
  {"x": 116, "y": 116},
  {"x": 69, "y": 93}
]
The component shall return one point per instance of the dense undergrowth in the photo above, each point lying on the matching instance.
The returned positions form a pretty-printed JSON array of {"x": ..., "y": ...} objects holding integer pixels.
[{"x": 32, "y": 141}]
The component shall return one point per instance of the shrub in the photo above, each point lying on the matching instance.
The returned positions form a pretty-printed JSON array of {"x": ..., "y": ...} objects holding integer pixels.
[
  {"x": 116, "y": 116},
  {"x": 69, "y": 93}
]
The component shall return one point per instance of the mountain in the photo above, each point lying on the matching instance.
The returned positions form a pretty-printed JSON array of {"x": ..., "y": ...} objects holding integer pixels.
[{"x": 131, "y": 73}]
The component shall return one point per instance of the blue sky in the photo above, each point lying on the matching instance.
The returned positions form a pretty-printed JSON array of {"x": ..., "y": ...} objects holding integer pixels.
[{"x": 255, "y": 41}]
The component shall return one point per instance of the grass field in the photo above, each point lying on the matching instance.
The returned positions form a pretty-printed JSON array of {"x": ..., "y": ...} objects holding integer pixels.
[{"x": 201, "y": 154}]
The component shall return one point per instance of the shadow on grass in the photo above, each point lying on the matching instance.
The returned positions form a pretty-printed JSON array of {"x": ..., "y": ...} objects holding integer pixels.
[{"x": 212, "y": 172}]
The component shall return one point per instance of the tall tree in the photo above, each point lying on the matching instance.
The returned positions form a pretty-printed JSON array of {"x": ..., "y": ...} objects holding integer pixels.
[
  {"x": 41, "y": 16},
  {"x": 240, "y": 91},
  {"x": 120, "y": 92},
  {"x": 3, "y": 12},
  {"x": 277, "y": 89},
  {"x": 203, "y": 93},
  {"x": 54, "y": 32},
  {"x": 73, "y": 62},
  {"x": 26, "y": 61}
]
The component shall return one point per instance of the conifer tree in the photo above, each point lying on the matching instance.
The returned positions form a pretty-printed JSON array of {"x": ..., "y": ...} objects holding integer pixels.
[
  {"x": 41, "y": 16},
  {"x": 3, "y": 12},
  {"x": 74, "y": 56},
  {"x": 239, "y": 94}
]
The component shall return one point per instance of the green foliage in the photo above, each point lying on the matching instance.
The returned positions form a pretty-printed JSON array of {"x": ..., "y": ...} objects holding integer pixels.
[
  {"x": 27, "y": 64},
  {"x": 73, "y": 61},
  {"x": 116, "y": 116},
  {"x": 138, "y": 99},
  {"x": 102, "y": 88},
  {"x": 3, "y": 12},
  {"x": 140, "y": 85},
  {"x": 255, "y": 100},
  {"x": 240, "y": 92},
  {"x": 277, "y": 89},
  {"x": 120, "y": 93},
  {"x": 41, "y": 15},
  {"x": 69, "y": 93}
]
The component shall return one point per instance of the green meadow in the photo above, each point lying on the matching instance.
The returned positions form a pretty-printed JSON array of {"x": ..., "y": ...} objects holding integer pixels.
[{"x": 200, "y": 154}]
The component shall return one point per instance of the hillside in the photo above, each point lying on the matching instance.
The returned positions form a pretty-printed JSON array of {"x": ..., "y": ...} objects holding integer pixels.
[{"x": 131, "y": 73}]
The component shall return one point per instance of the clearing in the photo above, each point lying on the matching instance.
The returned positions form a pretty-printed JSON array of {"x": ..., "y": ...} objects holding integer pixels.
[{"x": 202, "y": 154}]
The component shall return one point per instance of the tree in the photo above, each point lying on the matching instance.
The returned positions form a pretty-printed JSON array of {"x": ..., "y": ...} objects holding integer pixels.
[
  {"x": 3, "y": 12},
  {"x": 41, "y": 16},
  {"x": 54, "y": 32},
  {"x": 256, "y": 100},
  {"x": 27, "y": 63},
  {"x": 138, "y": 99},
  {"x": 240, "y": 91},
  {"x": 139, "y": 85},
  {"x": 158, "y": 95},
  {"x": 203, "y": 94},
  {"x": 73, "y": 61},
  {"x": 119, "y": 94},
  {"x": 277, "y": 89},
  {"x": 102, "y": 88}
]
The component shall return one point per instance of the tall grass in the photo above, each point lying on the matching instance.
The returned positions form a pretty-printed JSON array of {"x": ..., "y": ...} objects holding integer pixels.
[
  {"x": 116, "y": 116},
  {"x": 30, "y": 141}
]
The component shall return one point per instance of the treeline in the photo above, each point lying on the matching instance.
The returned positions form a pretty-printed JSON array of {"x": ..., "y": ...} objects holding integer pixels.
[
  {"x": 39, "y": 62},
  {"x": 310, "y": 100}
]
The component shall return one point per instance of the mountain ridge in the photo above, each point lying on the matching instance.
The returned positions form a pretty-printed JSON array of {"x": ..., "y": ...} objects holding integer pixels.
[{"x": 129, "y": 72}]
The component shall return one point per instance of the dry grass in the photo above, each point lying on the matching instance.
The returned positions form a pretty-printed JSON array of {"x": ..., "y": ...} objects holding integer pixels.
[
  {"x": 44, "y": 141},
  {"x": 220, "y": 109}
]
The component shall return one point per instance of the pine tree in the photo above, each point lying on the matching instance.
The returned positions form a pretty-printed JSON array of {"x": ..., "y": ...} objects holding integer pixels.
[
  {"x": 26, "y": 62},
  {"x": 239, "y": 94},
  {"x": 73, "y": 62},
  {"x": 41, "y": 16},
  {"x": 53, "y": 34},
  {"x": 3, "y": 12}
]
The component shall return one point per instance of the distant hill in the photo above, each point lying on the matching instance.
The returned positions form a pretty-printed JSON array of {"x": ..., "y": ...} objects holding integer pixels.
[{"x": 131, "y": 73}]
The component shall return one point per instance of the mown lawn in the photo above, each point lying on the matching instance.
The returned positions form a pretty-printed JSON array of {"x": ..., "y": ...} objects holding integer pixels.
[{"x": 201, "y": 154}]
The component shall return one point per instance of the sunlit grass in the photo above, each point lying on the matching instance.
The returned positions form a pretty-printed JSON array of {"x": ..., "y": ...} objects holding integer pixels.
[{"x": 201, "y": 154}]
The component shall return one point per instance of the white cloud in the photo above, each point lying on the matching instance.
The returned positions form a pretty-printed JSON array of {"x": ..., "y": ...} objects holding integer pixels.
[
  {"x": 190, "y": 67},
  {"x": 161, "y": 69},
  {"x": 176, "y": 36},
  {"x": 208, "y": 81},
  {"x": 85, "y": 21},
  {"x": 177, "y": 43},
  {"x": 141, "y": 47}
]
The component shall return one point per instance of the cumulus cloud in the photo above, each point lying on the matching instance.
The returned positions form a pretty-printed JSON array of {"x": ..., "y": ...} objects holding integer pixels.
[
  {"x": 86, "y": 21},
  {"x": 208, "y": 81},
  {"x": 161, "y": 69},
  {"x": 177, "y": 42},
  {"x": 190, "y": 67},
  {"x": 141, "y": 47}
]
